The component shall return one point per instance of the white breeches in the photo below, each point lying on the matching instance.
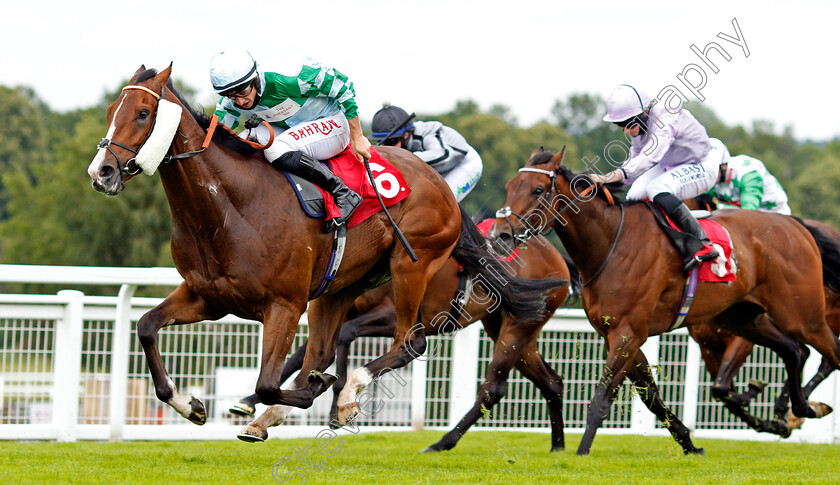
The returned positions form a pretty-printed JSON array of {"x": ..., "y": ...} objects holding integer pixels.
[
  {"x": 464, "y": 177},
  {"x": 685, "y": 181},
  {"x": 320, "y": 139}
]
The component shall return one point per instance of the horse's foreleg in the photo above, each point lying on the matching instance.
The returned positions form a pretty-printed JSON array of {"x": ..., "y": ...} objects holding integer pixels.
[
  {"x": 648, "y": 391},
  {"x": 280, "y": 325},
  {"x": 181, "y": 307},
  {"x": 512, "y": 342},
  {"x": 247, "y": 405},
  {"x": 325, "y": 317},
  {"x": 379, "y": 322},
  {"x": 623, "y": 346}
]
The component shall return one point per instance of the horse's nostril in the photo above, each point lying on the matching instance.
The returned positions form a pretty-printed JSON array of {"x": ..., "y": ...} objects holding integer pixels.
[{"x": 106, "y": 171}]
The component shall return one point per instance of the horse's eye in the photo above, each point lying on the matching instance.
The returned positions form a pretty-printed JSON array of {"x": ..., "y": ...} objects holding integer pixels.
[
  {"x": 538, "y": 191},
  {"x": 143, "y": 114}
]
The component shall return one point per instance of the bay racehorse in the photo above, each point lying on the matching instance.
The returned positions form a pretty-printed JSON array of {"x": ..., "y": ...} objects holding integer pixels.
[
  {"x": 633, "y": 282},
  {"x": 243, "y": 248},
  {"x": 374, "y": 315}
]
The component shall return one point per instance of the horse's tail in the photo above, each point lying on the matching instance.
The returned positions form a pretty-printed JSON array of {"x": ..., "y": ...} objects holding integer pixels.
[
  {"x": 524, "y": 299},
  {"x": 573, "y": 298},
  {"x": 830, "y": 255}
]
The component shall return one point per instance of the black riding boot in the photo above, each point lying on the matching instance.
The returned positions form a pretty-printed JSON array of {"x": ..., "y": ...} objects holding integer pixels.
[
  {"x": 316, "y": 172},
  {"x": 679, "y": 213}
]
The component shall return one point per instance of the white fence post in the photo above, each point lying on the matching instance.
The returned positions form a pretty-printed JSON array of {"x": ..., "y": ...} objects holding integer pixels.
[
  {"x": 643, "y": 421},
  {"x": 464, "y": 372},
  {"x": 419, "y": 369},
  {"x": 691, "y": 391},
  {"x": 67, "y": 365},
  {"x": 119, "y": 362}
]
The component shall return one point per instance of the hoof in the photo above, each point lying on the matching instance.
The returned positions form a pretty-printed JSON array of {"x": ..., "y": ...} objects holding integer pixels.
[
  {"x": 696, "y": 451},
  {"x": 198, "y": 414},
  {"x": 348, "y": 412},
  {"x": 326, "y": 379},
  {"x": 793, "y": 422},
  {"x": 757, "y": 386},
  {"x": 252, "y": 434},
  {"x": 243, "y": 409},
  {"x": 820, "y": 409},
  {"x": 430, "y": 449},
  {"x": 334, "y": 424}
]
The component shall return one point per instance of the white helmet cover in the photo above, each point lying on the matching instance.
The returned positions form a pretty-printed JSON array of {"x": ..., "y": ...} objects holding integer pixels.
[
  {"x": 232, "y": 68},
  {"x": 624, "y": 103}
]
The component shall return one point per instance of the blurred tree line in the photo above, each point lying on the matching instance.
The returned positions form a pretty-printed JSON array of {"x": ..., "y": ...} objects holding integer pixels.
[{"x": 50, "y": 215}]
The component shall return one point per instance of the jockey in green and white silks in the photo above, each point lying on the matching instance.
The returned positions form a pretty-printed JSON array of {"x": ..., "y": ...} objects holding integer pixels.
[
  {"x": 745, "y": 182},
  {"x": 313, "y": 114},
  {"x": 440, "y": 146}
]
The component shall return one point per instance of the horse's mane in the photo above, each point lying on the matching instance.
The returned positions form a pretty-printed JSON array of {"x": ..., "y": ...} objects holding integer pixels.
[{"x": 223, "y": 137}]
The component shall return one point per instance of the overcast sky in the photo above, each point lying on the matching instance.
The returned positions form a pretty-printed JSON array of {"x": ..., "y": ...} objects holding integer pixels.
[{"x": 426, "y": 55}]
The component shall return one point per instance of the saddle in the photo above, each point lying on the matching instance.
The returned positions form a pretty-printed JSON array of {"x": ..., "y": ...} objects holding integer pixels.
[
  {"x": 391, "y": 185},
  {"x": 710, "y": 271}
]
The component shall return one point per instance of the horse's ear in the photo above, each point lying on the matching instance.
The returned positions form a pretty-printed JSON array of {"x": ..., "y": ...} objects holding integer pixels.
[
  {"x": 557, "y": 159},
  {"x": 137, "y": 73},
  {"x": 164, "y": 75}
]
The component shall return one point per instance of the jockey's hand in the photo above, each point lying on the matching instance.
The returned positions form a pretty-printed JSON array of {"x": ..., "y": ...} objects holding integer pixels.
[
  {"x": 252, "y": 122},
  {"x": 361, "y": 146},
  {"x": 607, "y": 178}
]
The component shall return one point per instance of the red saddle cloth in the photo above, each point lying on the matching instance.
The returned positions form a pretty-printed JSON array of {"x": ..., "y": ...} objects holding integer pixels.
[
  {"x": 723, "y": 268},
  {"x": 389, "y": 181}
]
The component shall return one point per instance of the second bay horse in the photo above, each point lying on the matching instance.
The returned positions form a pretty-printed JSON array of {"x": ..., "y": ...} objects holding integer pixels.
[{"x": 633, "y": 282}]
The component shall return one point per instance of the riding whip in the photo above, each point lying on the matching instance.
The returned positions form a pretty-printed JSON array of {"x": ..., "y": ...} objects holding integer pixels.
[{"x": 400, "y": 235}]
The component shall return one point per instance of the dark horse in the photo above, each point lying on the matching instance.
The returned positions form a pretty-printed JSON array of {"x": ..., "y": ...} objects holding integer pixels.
[
  {"x": 633, "y": 282},
  {"x": 244, "y": 249},
  {"x": 374, "y": 315},
  {"x": 725, "y": 353}
]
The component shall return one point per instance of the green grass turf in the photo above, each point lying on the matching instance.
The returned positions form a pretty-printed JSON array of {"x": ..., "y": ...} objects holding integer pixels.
[{"x": 394, "y": 458}]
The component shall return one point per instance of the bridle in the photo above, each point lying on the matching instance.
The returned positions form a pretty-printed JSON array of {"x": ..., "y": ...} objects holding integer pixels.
[
  {"x": 130, "y": 166},
  {"x": 545, "y": 200}
]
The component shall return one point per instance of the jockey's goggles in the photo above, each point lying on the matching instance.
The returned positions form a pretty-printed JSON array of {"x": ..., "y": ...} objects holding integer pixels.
[
  {"x": 238, "y": 92},
  {"x": 629, "y": 123}
]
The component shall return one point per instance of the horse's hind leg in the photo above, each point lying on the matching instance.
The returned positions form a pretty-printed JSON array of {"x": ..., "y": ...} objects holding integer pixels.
[
  {"x": 648, "y": 391},
  {"x": 741, "y": 319},
  {"x": 730, "y": 362},
  {"x": 550, "y": 383},
  {"x": 379, "y": 322},
  {"x": 512, "y": 343},
  {"x": 181, "y": 307},
  {"x": 409, "y": 280}
]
